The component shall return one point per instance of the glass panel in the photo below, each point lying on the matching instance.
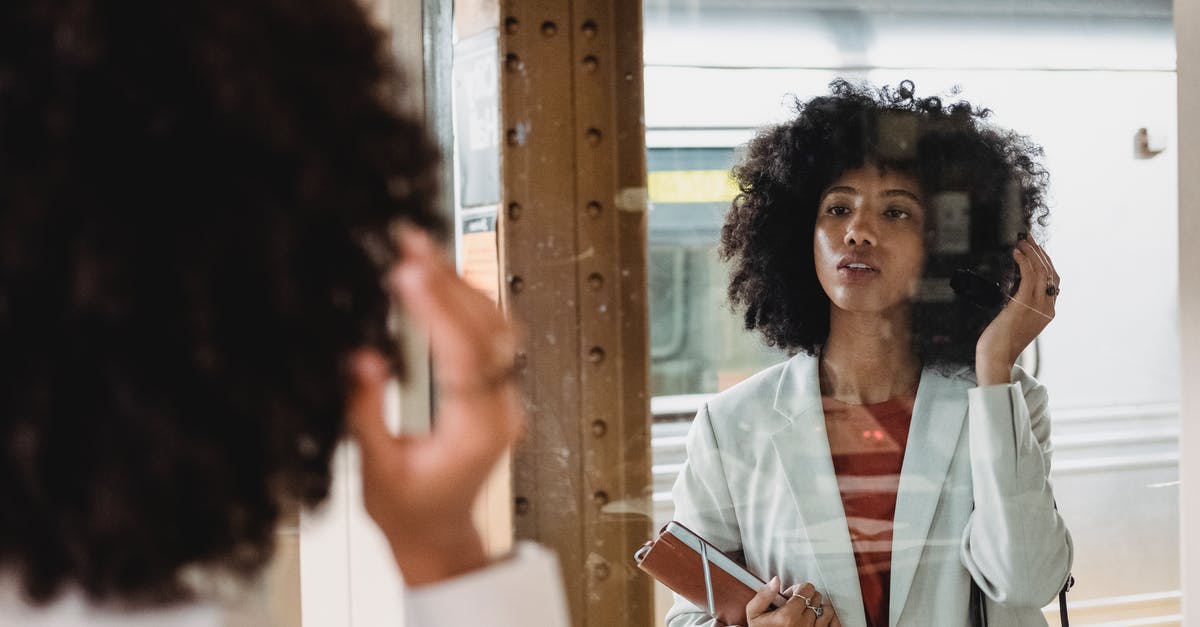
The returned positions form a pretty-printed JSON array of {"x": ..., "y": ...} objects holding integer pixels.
[
  {"x": 1092, "y": 83},
  {"x": 696, "y": 344}
]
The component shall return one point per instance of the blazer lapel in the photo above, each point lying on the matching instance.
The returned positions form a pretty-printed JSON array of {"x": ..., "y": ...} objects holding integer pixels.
[
  {"x": 938, "y": 416},
  {"x": 803, "y": 450}
]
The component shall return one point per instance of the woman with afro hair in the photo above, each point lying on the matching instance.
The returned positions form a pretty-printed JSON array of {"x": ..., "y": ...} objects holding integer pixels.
[
  {"x": 208, "y": 210},
  {"x": 894, "y": 471}
]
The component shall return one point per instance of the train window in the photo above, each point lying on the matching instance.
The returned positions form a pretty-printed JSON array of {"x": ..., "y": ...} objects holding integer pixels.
[
  {"x": 1093, "y": 85},
  {"x": 696, "y": 343}
]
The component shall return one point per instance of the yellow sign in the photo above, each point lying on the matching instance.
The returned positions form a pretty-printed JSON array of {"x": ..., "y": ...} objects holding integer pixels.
[{"x": 691, "y": 186}]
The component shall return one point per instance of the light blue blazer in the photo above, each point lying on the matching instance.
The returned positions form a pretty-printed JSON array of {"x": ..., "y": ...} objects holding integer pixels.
[{"x": 974, "y": 499}]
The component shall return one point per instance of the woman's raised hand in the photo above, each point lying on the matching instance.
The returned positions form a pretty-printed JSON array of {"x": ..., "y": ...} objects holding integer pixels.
[
  {"x": 1022, "y": 319},
  {"x": 420, "y": 489},
  {"x": 801, "y": 609}
]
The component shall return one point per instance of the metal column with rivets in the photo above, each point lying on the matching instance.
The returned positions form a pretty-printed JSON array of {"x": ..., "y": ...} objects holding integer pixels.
[{"x": 573, "y": 257}]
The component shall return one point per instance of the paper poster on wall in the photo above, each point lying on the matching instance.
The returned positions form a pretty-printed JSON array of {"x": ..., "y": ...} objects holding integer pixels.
[
  {"x": 477, "y": 118},
  {"x": 480, "y": 265}
]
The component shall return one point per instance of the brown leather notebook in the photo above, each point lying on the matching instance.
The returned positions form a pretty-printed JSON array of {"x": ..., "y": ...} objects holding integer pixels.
[{"x": 676, "y": 558}]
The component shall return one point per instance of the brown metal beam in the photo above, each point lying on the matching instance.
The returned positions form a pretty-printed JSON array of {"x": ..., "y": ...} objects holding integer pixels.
[{"x": 573, "y": 254}]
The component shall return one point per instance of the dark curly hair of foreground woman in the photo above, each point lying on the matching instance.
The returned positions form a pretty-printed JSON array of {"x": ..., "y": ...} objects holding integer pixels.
[
  {"x": 767, "y": 235},
  {"x": 185, "y": 189}
]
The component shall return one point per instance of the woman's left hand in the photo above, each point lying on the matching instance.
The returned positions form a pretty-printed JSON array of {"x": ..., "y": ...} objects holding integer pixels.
[{"x": 1022, "y": 319}]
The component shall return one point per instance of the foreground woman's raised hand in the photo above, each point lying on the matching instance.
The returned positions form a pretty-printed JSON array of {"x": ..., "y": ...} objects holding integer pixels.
[{"x": 420, "y": 489}]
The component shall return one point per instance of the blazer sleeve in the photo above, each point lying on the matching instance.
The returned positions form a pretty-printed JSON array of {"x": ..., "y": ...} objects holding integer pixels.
[
  {"x": 703, "y": 504},
  {"x": 523, "y": 590},
  {"x": 1015, "y": 544}
]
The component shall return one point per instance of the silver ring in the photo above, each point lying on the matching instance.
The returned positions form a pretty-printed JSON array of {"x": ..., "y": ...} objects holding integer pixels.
[
  {"x": 797, "y": 595},
  {"x": 818, "y": 610},
  {"x": 1052, "y": 290}
]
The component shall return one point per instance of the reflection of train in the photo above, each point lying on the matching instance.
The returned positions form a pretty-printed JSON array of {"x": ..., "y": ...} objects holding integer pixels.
[
  {"x": 1082, "y": 79},
  {"x": 696, "y": 343}
]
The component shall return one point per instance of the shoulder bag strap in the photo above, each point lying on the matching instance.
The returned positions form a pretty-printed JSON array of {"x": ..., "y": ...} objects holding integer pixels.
[{"x": 978, "y": 611}]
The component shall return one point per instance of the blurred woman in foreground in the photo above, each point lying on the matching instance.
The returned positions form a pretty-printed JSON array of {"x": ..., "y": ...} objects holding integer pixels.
[{"x": 200, "y": 244}]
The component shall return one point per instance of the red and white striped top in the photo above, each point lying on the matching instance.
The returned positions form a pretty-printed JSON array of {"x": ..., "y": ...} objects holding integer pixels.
[{"x": 867, "y": 443}]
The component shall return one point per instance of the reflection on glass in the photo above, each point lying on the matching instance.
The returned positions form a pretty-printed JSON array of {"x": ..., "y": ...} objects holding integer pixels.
[
  {"x": 696, "y": 341},
  {"x": 716, "y": 72},
  {"x": 899, "y": 462}
]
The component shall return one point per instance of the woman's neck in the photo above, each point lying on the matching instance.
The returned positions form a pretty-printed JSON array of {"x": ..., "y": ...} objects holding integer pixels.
[{"x": 869, "y": 357}]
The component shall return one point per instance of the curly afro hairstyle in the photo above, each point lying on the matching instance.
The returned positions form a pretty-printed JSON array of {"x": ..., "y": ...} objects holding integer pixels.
[
  {"x": 186, "y": 187},
  {"x": 996, "y": 177}
]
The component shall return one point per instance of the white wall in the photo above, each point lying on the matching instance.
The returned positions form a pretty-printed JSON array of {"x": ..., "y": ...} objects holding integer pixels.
[
  {"x": 1187, "y": 33},
  {"x": 348, "y": 577}
]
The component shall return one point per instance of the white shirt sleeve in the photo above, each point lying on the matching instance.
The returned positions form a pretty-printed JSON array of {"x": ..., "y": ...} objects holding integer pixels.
[{"x": 523, "y": 590}]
